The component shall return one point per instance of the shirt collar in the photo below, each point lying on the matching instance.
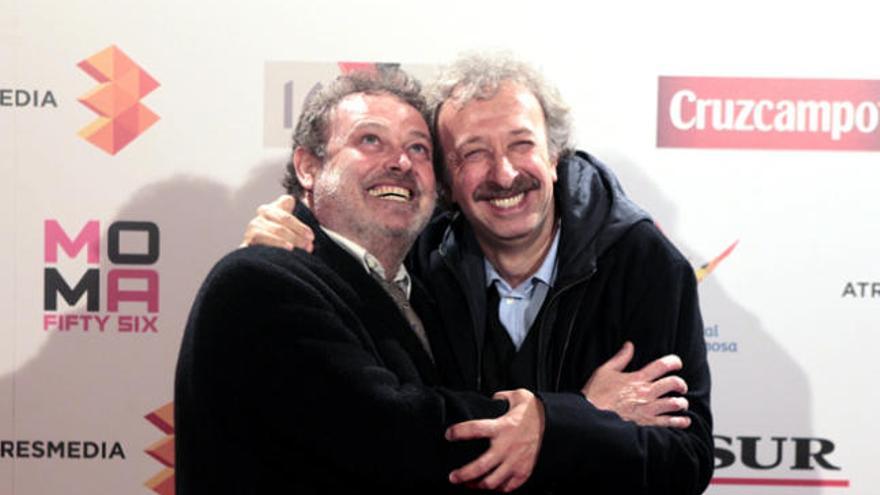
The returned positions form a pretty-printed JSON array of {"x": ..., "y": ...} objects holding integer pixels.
[
  {"x": 546, "y": 273},
  {"x": 369, "y": 262}
]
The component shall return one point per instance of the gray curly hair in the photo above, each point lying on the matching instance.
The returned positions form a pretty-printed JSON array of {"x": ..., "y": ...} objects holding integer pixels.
[
  {"x": 313, "y": 125},
  {"x": 479, "y": 76}
]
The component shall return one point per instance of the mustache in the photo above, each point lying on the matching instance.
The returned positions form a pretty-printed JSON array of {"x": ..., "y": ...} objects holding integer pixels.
[{"x": 490, "y": 190}]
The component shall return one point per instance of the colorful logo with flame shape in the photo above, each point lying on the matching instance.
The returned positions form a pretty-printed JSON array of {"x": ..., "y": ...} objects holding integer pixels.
[
  {"x": 163, "y": 450},
  {"x": 117, "y": 100}
]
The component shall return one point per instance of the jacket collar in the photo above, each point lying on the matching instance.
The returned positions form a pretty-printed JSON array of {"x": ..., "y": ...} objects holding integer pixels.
[{"x": 380, "y": 315}]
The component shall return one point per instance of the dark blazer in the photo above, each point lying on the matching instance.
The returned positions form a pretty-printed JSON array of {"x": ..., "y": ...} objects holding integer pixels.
[{"x": 298, "y": 372}]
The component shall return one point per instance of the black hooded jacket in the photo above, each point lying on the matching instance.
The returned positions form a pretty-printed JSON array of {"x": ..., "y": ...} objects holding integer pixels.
[{"x": 618, "y": 279}]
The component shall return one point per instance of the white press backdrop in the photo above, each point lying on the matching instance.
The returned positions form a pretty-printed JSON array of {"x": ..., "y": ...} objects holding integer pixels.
[{"x": 793, "y": 351}]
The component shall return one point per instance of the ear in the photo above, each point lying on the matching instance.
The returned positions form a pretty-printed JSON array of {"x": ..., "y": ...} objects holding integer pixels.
[
  {"x": 307, "y": 166},
  {"x": 554, "y": 164}
]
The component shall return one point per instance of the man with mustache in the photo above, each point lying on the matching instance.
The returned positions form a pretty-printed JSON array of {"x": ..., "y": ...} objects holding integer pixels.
[
  {"x": 307, "y": 373},
  {"x": 547, "y": 276}
]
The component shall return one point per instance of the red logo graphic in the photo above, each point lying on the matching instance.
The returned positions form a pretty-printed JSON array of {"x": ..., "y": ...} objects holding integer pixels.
[
  {"x": 116, "y": 99},
  {"x": 163, "y": 450},
  {"x": 706, "y": 268},
  {"x": 759, "y": 113}
]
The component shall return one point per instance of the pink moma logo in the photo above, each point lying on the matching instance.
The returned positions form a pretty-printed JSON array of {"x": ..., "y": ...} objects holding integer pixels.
[
  {"x": 127, "y": 282},
  {"x": 763, "y": 113}
]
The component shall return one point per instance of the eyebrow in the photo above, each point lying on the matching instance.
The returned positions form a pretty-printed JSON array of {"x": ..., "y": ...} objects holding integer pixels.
[
  {"x": 368, "y": 125},
  {"x": 379, "y": 126},
  {"x": 419, "y": 134},
  {"x": 470, "y": 140},
  {"x": 522, "y": 131}
]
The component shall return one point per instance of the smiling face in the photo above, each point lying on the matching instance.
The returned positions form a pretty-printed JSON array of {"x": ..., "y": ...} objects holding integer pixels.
[
  {"x": 500, "y": 171},
  {"x": 376, "y": 184}
]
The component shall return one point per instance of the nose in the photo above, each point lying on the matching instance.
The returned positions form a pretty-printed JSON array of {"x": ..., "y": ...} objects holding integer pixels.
[
  {"x": 502, "y": 172},
  {"x": 400, "y": 161}
]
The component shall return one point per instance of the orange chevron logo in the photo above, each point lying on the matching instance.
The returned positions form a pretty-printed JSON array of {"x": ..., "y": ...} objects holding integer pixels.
[
  {"x": 163, "y": 450},
  {"x": 116, "y": 100}
]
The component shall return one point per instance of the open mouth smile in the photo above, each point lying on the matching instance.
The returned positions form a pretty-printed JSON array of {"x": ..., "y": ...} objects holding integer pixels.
[
  {"x": 391, "y": 193},
  {"x": 509, "y": 202}
]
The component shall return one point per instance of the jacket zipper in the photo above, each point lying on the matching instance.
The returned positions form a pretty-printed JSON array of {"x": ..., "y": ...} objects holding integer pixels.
[
  {"x": 568, "y": 331},
  {"x": 471, "y": 313}
]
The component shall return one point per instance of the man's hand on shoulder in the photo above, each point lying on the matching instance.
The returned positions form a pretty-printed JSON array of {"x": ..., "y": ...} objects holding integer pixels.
[
  {"x": 275, "y": 226},
  {"x": 640, "y": 396}
]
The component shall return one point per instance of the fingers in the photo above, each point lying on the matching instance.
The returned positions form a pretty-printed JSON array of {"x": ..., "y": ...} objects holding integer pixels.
[
  {"x": 468, "y": 430},
  {"x": 514, "y": 397},
  {"x": 476, "y": 469},
  {"x": 619, "y": 361},
  {"x": 287, "y": 226},
  {"x": 676, "y": 422},
  {"x": 285, "y": 202},
  {"x": 264, "y": 239},
  {"x": 503, "y": 395},
  {"x": 503, "y": 467},
  {"x": 504, "y": 478},
  {"x": 280, "y": 212},
  {"x": 516, "y": 438},
  {"x": 261, "y": 228},
  {"x": 513, "y": 483},
  {"x": 659, "y": 367},
  {"x": 274, "y": 225},
  {"x": 655, "y": 413},
  {"x": 668, "y": 385},
  {"x": 665, "y": 406}
]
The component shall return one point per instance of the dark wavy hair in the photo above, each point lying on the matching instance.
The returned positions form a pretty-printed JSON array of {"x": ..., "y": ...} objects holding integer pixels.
[{"x": 314, "y": 122}]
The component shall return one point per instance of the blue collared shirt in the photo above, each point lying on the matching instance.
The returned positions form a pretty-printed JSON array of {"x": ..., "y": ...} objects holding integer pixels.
[{"x": 519, "y": 306}]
